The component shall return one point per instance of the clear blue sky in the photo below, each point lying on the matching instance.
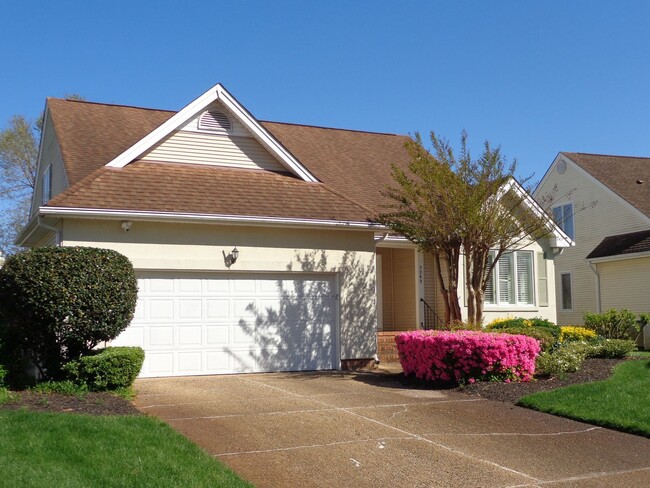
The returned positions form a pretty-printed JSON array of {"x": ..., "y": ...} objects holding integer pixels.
[{"x": 534, "y": 77}]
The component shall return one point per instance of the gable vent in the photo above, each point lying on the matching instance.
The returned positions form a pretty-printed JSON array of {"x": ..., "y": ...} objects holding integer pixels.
[{"x": 216, "y": 121}]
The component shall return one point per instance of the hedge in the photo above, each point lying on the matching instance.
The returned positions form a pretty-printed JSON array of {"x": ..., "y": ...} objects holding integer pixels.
[
  {"x": 107, "y": 369},
  {"x": 60, "y": 302},
  {"x": 467, "y": 356}
]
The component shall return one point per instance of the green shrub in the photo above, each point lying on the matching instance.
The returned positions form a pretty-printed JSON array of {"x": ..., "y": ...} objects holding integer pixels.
[
  {"x": 565, "y": 359},
  {"x": 612, "y": 348},
  {"x": 576, "y": 333},
  {"x": 60, "y": 302},
  {"x": 519, "y": 322},
  {"x": 64, "y": 387},
  {"x": 108, "y": 369},
  {"x": 543, "y": 334},
  {"x": 613, "y": 324},
  {"x": 3, "y": 375}
]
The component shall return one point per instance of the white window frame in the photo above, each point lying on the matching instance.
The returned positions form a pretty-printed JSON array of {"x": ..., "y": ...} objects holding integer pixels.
[
  {"x": 562, "y": 222},
  {"x": 495, "y": 282},
  {"x": 570, "y": 274},
  {"x": 46, "y": 185}
]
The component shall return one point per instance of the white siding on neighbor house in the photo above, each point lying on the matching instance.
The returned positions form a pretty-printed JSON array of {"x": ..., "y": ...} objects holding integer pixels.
[
  {"x": 348, "y": 255},
  {"x": 610, "y": 216},
  {"x": 50, "y": 155},
  {"x": 236, "y": 149},
  {"x": 625, "y": 284}
]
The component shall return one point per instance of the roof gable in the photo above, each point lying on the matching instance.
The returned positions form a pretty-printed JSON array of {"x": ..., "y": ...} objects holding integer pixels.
[
  {"x": 197, "y": 107},
  {"x": 628, "y": 177}
]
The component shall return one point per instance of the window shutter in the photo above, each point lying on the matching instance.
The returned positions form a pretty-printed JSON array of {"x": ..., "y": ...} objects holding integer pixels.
[
  {"x": 524, "y": 277},
  {"x": 489, "y": 289},
  {"x": 542, "y": 280},
  {"x": 506, "y": 294}
]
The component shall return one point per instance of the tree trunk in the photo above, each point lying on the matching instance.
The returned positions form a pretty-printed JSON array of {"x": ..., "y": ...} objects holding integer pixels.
[{"x": 443, "y": 289}]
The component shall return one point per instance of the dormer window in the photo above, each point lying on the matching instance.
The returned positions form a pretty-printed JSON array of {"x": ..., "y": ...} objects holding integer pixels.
[
  {"x": 46, "y": 185},
  {"x": 215, "y": 121}
]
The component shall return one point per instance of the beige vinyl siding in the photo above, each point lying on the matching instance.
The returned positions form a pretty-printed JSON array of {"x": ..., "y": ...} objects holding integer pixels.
[
  {"x": 398, "y": 289},
  {"x": 625, "y": 284},
  {"x": 50, "y": 155},
  {"x": 610, "y": 216},
  {"x": 49, "y": 239},
  {"x": 386, "y": 288},
  {"x": 213, "y": 149},
  {"x": 237, "y": 128}
]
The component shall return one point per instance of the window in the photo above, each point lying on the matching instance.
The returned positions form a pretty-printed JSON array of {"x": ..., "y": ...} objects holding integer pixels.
[
  {"x": 563, "y": 216},
  {"x": 567, "y": 292},
  {"x": 46, "y": 188},
  {"x": 511, "y": 282}
]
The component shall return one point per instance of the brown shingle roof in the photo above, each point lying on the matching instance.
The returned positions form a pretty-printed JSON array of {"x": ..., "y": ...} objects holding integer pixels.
[
  {"x": 92, "y": 134},
  {"x": 622, "y": 244},
  {"x": 205, "y": 189},
  {"x": 353, "y": 166},
  {"x": 621, "y": 174}
]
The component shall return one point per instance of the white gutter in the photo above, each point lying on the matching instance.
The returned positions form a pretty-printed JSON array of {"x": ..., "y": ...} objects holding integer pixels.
[
  {"x": 621, "y": 257},
  {"x": 595, "y": 270},
  {"x": 62, "y": 212}
]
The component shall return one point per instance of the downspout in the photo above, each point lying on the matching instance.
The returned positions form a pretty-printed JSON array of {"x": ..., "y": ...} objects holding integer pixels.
[
  {"x": 595, "y": 271},
  {"x": 40, "y": 223}
]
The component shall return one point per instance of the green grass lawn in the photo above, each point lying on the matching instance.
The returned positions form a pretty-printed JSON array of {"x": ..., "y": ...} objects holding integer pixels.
[
  {"x": 620, "y": 402},
  {"x": 70, "y": 450}
]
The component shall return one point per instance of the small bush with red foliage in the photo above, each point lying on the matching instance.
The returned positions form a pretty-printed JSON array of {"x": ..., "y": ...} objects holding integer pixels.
[{"x": 467, "y": 356}]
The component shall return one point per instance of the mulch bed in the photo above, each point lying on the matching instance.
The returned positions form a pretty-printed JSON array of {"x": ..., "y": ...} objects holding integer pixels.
[
  {"x": 90, "y": 403},
  {"x": 592, "y": 370}
]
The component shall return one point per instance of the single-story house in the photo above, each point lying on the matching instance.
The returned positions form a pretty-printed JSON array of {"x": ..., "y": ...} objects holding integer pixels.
[
  {"x": 603, "y": 204},
  {"x": 253, "y": 241}
]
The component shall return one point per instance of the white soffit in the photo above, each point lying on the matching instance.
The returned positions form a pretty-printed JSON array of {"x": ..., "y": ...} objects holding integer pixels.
[{"x": 217, "y": 92}]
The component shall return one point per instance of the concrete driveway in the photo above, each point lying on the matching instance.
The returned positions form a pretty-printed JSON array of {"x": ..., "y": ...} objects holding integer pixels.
[{"x": 367, "y": 430}]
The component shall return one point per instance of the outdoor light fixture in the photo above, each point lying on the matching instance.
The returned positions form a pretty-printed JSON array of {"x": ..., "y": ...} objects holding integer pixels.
[{"x": 235, "y": 254}]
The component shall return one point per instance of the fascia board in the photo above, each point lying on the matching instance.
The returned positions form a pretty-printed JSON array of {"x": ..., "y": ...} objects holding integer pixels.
[
  {"x": 559, "y": 236},
  {"x": 620, "y": 257},
  {"x": 46, "y": 113},
  {"x": 263, "y": 136},
  {"x": 165, "y": 129},
  {"x": 217, "y": 92},
  {"x": 63, "y": 212}
]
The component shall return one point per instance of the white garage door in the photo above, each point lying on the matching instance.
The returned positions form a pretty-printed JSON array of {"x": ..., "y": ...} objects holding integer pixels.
[{"x": 192, "y": 324}]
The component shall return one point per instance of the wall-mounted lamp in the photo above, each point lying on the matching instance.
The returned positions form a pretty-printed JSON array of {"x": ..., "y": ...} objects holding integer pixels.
[
  {"x": 230, "y": 259},
  {"x": 126, "y": 225}
]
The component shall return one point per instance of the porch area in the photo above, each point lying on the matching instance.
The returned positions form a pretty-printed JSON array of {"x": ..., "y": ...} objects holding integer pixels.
[{"x": 407, "y": 295}]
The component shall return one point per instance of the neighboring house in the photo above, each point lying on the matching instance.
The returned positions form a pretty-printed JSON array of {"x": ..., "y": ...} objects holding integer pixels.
[
  {"x": 609, "y": 267},
  {"x": 253, "y": 241}
]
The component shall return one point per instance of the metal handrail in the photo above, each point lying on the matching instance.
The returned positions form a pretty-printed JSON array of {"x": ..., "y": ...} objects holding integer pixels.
[{"x": 431, "y": 319}]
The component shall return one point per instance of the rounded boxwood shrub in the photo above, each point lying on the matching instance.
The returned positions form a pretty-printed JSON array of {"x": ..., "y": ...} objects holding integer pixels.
[
  {"x": 58, "y": 303},
  {"x": 106, "y": 369}
]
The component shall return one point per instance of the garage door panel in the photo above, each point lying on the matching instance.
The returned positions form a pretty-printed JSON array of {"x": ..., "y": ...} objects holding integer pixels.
[
  {"x": 160, "y": 309},
  {"x": 217, "y": 335},
  {"x": 189, "y": 362},
  {"x": 200, "y": 323},
  {"x": 160, "y": 285},
  {"x": 189, "y": 335},
  {"x": 217, "y": 309},
  {"x": 160, "y": 335},
  {"x": 190, "y": 308}
]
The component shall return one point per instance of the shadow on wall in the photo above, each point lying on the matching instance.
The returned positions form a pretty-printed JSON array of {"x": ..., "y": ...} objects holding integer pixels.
[{"x": 309, "y": 320}]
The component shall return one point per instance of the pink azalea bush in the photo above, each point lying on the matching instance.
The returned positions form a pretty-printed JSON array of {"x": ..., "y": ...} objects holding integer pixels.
[{"x": 467, "y": 356}]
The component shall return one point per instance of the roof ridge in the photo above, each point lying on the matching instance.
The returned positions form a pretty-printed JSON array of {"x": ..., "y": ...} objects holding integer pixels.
[
  {"x": 89, "y": 102},
  {"x": 606, "y": 155},
  {"x": 334, "y": 128}
]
